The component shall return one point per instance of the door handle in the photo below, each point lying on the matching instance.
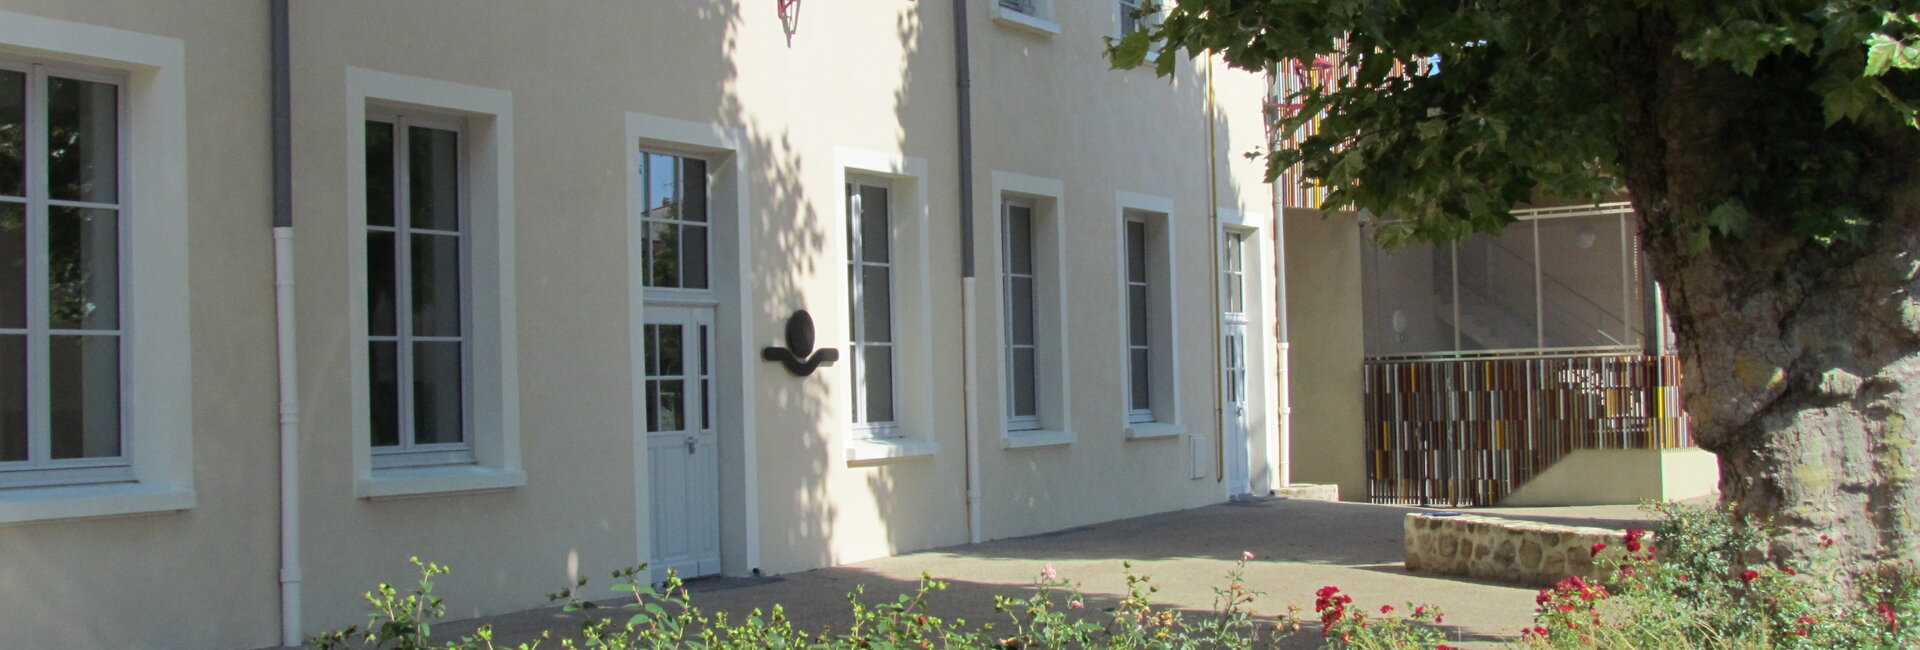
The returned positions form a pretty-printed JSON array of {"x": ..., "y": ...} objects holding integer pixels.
[{"x": 692, "y": 443}]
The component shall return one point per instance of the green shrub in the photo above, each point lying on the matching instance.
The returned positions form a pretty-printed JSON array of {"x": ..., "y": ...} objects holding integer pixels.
[{"x": 1690, "y": 583}]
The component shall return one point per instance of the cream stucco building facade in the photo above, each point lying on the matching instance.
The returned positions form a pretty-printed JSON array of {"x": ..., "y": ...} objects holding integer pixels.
[{"x": 513, "y": 313}]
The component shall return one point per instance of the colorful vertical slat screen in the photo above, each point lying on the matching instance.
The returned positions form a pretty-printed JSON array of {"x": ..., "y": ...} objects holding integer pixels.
[{"x": 1470, "y": 432}]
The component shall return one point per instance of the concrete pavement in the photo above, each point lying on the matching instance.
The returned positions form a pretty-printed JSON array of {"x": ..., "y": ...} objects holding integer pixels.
[{"x": 1299, "y": 546}]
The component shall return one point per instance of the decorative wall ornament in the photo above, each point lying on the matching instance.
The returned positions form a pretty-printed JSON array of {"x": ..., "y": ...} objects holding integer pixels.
[{"x": 799, "y": 356}]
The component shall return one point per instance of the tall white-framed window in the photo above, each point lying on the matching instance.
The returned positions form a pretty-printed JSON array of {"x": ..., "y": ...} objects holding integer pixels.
[
  {"x": 870, "y": 292},
  {"x": 1020, "y": 312},
  {"x": 96, "y": 402},
  {"x": 1033, "y": 361},
  {"x": 418, "y": 345},
  {"x": 435, "y": 399},
  {"x": 674, "y": 210},
  {"x": 889, "y": 359},
  {"x": 1148, "y": 284},
  {"x": 62, "y": 239},
  {"x": 1139, "y": 325}
]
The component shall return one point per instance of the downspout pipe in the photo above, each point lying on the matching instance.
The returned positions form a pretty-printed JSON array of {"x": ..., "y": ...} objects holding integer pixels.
[
  {"x": 969, "y": 303},
  {"x": 1285, "y": 476},
  {"x": 289, "y": 406},
  {"x": 1219, "y": 314}
]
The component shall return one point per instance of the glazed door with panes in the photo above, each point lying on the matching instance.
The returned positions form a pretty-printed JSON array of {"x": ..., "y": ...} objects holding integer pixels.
[
  {"x": 683, "y": 466},
  {"x": 1233, "y": 362}
]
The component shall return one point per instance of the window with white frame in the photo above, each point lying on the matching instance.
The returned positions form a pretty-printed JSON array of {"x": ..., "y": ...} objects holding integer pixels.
[
  {"x": 62, "y": 242},
  {"x": 1148, "y": 328},
  {"x": 1139, "y": 328},
  {"x": 1137, "y": 15},
  {"x": 674, "y": 209},
  {"x": 417, "y": 341},
  {"x": 96, "y": 406},
  {"x": 1022, "y": 340},
  {"x": 1234, "y": 268},
  {"x": 436, "y": 404},
  {"x": 1031, "y": 15},
  {"x": 870, "y": 293}
]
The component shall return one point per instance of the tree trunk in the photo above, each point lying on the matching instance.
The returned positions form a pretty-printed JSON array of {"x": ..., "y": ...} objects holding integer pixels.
[{"x": 1802, "y": 358}]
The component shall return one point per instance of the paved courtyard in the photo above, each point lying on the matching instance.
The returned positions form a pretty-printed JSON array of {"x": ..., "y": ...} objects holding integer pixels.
[{"x": 1299, "y": 547}]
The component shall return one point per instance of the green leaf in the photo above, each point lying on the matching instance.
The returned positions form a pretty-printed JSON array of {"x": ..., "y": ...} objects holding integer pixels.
[{"x": 1730, "y": 218}]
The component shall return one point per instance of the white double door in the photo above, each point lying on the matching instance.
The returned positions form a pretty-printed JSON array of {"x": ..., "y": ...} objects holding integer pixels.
[{"x": 683, "y": 451}]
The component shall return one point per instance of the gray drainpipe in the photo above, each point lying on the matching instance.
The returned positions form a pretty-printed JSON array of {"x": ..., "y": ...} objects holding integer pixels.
[
  {"x": 963, "y": 81},
  {"x": 289, "y": 390}
]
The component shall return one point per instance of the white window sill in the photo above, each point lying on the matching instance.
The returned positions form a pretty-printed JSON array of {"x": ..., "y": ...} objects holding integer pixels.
[
  {"x": 1154, "y": 430},
  {"x": 1010, "y": 18},
  {"x": 884, "y": 449},
  {"x": 1036, "y": 438},
  {"x": 416, "y": 481},
  {"x": 85, "y": 501}
]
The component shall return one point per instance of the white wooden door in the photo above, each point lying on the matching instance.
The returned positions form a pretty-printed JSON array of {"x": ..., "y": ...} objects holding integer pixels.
[
  {"x": 1233, "y": 364},
  {"x": 683, "y": 465}
]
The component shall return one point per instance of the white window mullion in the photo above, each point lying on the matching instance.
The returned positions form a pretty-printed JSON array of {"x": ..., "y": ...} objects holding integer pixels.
[
  {"x": 39, "y": 379},
  {"x": 403, "y": 284},
  {"x": 855, "y": 288}
]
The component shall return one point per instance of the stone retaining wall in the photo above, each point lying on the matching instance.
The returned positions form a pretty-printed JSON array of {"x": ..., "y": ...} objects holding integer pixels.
[{"x": 1507, "y": 550}]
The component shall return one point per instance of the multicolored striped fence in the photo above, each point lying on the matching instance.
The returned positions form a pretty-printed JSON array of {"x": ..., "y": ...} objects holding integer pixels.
[{"x": 1469, "y": 432}]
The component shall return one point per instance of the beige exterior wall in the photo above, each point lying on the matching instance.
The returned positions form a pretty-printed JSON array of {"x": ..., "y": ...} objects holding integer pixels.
[
  {"x": 1323, "y": 312},
  {"x": 1622, "y": 476},
  {"x": 855, "y": 81},
  {"x": 202, "y": 577}
]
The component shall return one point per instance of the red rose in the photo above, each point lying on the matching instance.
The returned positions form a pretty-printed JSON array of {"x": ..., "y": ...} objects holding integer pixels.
[{"x": 1748, "y": 575}]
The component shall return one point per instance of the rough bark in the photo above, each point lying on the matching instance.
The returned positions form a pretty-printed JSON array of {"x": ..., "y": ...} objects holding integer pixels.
[{"x": 1802, "y": 358}]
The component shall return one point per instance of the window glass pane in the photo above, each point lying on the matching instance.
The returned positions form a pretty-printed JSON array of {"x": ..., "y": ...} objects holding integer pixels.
[
  {"x": 1497, "y": 299},
  {"x": 653, "y": 405},
  {"x": 878, "y": 370},
  {"x": 379, "y": 173},
  {"x": 1137, "y": 379},
  {"x": 663, "y": 249},
  {"x": 1020, "y": 313},
  {"x": 1136, "y": 251},
  {"x": 875, "y": 214},
  {"x": 83, "y": 140},
  {"x": 13, "y": 265},
  {"x": 673, "y": 404},
  {"x": 437, "y": 392},
  {"x": 83, "y": 268},
  {"x": 1408, "y": 304},
  {"x": 693, "y": 189},
  {"x": 650, "y": 337},
  {"x": 1586, "y": 283},
  {"x": 661, "y": 199},
  {"x": 1235, "y": 302},
  {"x": 1024, "y": 402},
  {"x": 436, "y": 285},
  {"x": 13, "y": 397},
  {"x": 84, "y": 385},
  {"x": 1136, "y": 315},
  {"x": 876, "y": 303},
  {"x": 383, "y": 361},
  {"x": 433, "y": 178},
  {"x": 705, "y": 368},
  {"x": 13, "y": 134},
  {"x": 693, "y": 256},
  {"x": 382, "y": 291},
  {"x": 1019, "y": 240},
  {"x": 672, "y": 351}
]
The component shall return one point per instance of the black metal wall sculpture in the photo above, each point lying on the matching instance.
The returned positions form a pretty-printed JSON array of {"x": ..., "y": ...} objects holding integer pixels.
[{"x": 799, "y": 356}]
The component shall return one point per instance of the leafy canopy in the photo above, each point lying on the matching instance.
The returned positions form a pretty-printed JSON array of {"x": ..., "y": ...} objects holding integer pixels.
[{"x": 1447, "y": 114}]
